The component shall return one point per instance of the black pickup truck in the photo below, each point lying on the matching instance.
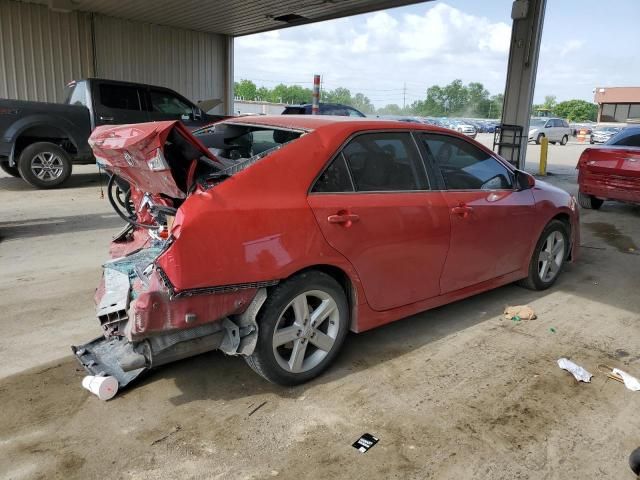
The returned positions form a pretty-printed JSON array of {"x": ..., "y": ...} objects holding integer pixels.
[{"x": 41, "y": 141}]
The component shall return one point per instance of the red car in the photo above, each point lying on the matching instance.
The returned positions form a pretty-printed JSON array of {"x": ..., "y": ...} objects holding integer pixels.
[
  {"x": 612, "y": 171},
  {"x": 272, "y": 237}
]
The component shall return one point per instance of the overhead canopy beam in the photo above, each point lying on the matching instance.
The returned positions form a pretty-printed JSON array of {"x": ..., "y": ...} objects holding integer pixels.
[{"x": 528, "y": 20}]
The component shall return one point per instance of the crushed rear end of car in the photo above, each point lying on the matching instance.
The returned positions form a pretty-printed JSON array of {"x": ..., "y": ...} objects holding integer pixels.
[{"x": 147, "y": 320}]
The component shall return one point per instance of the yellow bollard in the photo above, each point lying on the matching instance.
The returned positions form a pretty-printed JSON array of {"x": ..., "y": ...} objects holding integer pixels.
[{"x": 544, "y": 149}]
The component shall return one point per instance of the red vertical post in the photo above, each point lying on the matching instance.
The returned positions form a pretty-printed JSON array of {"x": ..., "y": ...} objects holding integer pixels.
[{"x": 315, "y": 104}]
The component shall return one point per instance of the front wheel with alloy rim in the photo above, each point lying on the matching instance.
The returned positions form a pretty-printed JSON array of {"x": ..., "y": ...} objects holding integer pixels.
[
  {"x": 548, "y": 256},
  {"x": 301, "y": 327},
  {"x": 44, "y": 165}
]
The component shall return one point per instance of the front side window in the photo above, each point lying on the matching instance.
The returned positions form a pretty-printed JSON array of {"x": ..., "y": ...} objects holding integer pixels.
[
  {"x": 385, "y": 162},
  {"x": 464, "y": 166},
  {"x": 167, "y": 103},
  {"x": 123, "y": 97}
]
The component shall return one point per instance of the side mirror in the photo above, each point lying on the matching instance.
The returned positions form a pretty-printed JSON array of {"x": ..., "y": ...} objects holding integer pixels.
[
  {"x": 524, "y": 180},
  {"x": 196, "y": 113}
]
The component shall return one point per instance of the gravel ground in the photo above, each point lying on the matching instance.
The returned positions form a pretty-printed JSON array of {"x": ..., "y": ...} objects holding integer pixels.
[{"x": 456, "y": 392}]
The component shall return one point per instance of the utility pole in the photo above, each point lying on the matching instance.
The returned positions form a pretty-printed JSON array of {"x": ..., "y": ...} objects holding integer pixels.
[
  {"x": 315, "y": 105},
  {"x": 404, "y": 96}
]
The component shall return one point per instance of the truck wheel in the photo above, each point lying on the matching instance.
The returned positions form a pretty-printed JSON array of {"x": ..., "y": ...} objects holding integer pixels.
[
  {"x": 13, "y": 171},
  {"x": 44, "y": 165},
  {"x": 589, "y": 201},
  {"x": 301, "y": 327}
]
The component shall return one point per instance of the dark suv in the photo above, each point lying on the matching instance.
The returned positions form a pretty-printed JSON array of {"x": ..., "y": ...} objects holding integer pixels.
[{"x": 325, "y": 109}]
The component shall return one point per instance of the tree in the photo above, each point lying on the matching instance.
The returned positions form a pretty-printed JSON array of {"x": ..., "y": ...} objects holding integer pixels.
[
  {"x": 362, "y": 103},
  {"x": 390, "y": 109},
  {"x": 576, "y": 110},
  {"x": 339, "y": 95},
  {"x": 245, "y": 89}
]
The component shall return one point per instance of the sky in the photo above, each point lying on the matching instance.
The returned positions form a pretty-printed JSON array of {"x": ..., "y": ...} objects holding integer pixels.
[{"x": 394, "y": 55}]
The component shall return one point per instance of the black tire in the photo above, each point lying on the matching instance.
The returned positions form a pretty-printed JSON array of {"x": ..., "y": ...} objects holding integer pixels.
[
  {"x": 36, "y": 173},
  {"x": 534, "y": 281},
  {"x": 13, "y": 171},
  {"x": 591, "y": 141},
  {"x": 539, "y": 138},
  {"x": 265, "y": 360},
  {"x": 589, "y": 201},
  {"x": 564, "y": 140}
]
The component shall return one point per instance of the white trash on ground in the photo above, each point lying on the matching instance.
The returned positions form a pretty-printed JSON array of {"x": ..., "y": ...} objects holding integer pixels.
[
  {"x": 576, "y": 370},
  {"x": 104, "y": 387},
  {"x": 631, "y": 382}
]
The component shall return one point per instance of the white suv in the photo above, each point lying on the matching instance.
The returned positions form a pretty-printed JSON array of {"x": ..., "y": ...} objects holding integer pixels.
[{"x": 555, "y": 129}]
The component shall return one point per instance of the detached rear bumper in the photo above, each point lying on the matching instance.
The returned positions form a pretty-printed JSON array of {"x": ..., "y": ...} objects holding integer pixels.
[{"x": 104, "y": 357}]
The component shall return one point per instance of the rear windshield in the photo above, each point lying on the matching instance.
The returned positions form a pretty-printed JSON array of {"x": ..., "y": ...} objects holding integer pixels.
[{"x": 239, "y": 146}]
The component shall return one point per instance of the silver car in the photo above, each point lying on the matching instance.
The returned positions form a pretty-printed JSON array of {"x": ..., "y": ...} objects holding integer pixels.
[
  {"x": 555, "y": 129},
  {"x": 602, "y": 134}
]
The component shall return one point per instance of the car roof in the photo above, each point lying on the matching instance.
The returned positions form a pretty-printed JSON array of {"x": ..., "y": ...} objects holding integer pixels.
[
  {"x": 322, "y": 104},
  {"x": 326, "y": 122}
]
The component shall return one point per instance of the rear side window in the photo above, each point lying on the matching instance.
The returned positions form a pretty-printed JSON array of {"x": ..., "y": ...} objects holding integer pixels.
[
  {"x": 293, "y": 111},
  {"x": 464, "y": 166},
  {"x": 77, "y": 94},
  {"x": 626, "y": 138},
  {"x": 385, "y": 162},
  {"x": 123, "y": 97},
  {"x": 335, "y": 179}
]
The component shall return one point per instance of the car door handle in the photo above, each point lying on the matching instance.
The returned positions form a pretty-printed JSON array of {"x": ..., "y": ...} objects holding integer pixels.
[
  {"x": 463, "y": 210},
  {"x": 345, "y": 218},
  {"x": 106, "y": 119}
]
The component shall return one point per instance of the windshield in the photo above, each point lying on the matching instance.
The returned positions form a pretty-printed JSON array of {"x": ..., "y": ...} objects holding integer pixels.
[
  {"x": 537, "y": 122},
  {"x": 238, "y": 146}
]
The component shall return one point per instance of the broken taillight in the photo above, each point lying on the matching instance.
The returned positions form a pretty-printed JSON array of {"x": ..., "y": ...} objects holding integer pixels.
[{"x": 157, "y": 163}]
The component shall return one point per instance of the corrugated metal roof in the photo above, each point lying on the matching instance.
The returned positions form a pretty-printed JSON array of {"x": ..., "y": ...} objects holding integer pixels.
[{"x": 232, "y": 17}]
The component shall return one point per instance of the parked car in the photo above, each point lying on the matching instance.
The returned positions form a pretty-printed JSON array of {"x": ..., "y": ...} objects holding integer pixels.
[
  {"x": 611, "y": 171},
  {"x": 555, "y": 129},
  {"x": 603, "y": 134},
  {"x": 463, "y": 127},
  {"x": 41, "y": 141},
  {"x": 324, "y": 109},
  {"x": 271, "y": 237}
]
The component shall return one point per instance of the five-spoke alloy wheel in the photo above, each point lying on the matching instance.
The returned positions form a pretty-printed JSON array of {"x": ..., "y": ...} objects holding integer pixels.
[
  {"x": 302, "y": 326},
  {"x": 548, "y": 257}
]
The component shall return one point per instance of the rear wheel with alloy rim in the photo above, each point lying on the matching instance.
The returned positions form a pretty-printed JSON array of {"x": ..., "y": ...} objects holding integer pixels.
[
  {"x": 301, "y": 326},
  {"x": 44, "y": 165},
  {"x": 589, "y": 201},
  {"x": 548, "y": 257}
]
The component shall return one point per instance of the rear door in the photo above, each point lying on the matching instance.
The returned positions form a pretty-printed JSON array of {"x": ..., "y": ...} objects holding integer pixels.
[
  {"x": 118, "y": 103},
  {"x": 491, "y": 222},
  {"x": 374, "y": 205}
]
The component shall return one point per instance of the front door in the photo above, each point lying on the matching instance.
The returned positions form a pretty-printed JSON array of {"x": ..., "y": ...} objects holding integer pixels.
[
  {"x": 373, "y": 204},
  {"x": 491, "y": 222},
  {"x": 167, "y": 105}
]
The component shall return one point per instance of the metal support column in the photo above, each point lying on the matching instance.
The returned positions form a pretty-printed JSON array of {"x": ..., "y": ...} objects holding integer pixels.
[
  {"x": 528, "y": 19},
  {"x": 228, "y": 78}
]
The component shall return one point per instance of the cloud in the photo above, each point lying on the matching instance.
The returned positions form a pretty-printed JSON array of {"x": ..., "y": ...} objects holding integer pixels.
[{"x": 377, "y": 53}]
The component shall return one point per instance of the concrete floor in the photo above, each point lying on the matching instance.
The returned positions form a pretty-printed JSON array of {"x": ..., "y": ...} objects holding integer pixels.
[{"x": 456, "y": 392}]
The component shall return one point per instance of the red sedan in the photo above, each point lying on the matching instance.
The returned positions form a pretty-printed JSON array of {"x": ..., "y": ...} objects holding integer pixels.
[
  {"x": 612, "y": 171},
  {"x": 272, "y": 237}
]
